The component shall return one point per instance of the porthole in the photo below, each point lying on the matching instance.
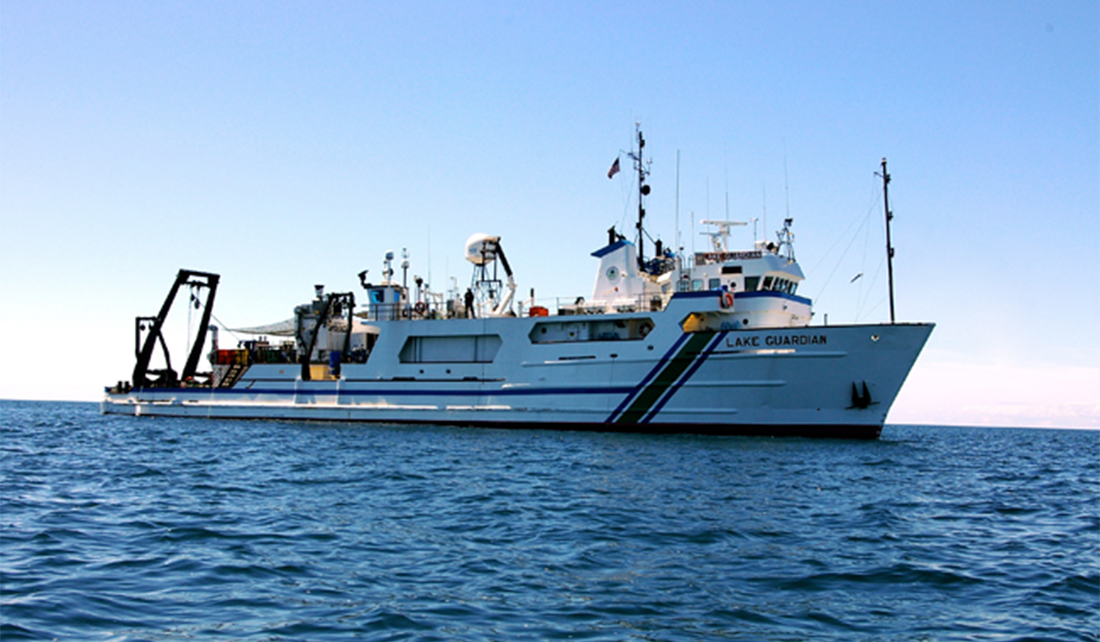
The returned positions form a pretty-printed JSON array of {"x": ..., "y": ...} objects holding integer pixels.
[{"x": 874, "y": 337}]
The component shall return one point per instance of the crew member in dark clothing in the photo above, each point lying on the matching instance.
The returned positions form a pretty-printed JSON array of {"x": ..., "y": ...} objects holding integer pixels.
[{"x": 470, "y": 304}]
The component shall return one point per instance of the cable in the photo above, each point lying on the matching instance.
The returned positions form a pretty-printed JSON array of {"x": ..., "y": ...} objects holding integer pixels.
[{"x": 225, "y": 327}]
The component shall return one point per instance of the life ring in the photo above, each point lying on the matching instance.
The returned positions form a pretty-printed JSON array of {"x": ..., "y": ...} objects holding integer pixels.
[
  {"x": 420, "y": 308},
  {"x": 726, "y": 300}
]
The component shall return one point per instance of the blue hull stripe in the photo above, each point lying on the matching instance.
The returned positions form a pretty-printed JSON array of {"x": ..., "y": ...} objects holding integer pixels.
[{"x": 385, "y": 392}]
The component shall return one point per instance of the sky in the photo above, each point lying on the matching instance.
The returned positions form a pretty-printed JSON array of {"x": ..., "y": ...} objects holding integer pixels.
[{"x": 286, "y": 144}]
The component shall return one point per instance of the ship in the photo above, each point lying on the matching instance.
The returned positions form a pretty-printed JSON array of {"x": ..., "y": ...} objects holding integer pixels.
[{"x": 717, "y": 342}]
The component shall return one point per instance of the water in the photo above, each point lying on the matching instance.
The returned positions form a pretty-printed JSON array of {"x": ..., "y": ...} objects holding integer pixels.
[{"x": 160, "y": 529}]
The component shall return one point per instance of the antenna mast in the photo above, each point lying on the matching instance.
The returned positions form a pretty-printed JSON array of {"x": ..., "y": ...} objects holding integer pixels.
[
  {"x": 889, "y": 248},
  {"x": 679, "y": 248},
  {"x": 643, "y": 190}
]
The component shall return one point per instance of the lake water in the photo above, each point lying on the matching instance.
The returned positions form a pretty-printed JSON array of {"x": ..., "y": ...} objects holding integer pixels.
[{"x": 115, "y": 528}]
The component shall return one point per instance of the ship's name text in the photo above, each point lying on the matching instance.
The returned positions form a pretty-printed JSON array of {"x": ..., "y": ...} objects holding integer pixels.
[{"x": 776, "y": 340}]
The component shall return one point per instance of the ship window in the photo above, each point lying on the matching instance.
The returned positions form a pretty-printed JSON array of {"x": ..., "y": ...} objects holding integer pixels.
[
  {"x": 751, "y": 283},
  {"x": 731, "y": 269},
  {"x": 767, "y": 283},
  {"x": 714, "y": 284},
  {"x": 631, "y": 329},
  {"x": 696, "y": 285},
  {"x": 451, "y": 349}
]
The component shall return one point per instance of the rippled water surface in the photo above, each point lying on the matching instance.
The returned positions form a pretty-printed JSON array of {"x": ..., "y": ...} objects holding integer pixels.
[{"x": 161, "y": 529}]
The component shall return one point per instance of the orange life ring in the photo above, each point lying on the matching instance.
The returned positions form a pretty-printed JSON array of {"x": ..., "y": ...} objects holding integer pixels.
[{"x": 726, "y": 300}]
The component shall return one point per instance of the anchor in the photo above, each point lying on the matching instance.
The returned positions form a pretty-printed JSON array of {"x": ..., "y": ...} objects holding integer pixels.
[{"x": 861, "y": 399}]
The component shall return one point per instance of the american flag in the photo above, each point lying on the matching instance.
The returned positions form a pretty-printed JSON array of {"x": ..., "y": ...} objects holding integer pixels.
[{"x": 614, "y": 168}]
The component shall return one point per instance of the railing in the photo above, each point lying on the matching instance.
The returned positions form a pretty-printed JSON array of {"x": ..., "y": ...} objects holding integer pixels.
[
  {"x": 560, "y": 306},
  {"x": 412, "y": 311},
  {"x": 641, "y": 303}
]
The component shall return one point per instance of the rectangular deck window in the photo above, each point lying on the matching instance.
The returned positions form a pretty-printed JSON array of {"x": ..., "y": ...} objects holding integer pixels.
[{"x": 451, "y": 349}]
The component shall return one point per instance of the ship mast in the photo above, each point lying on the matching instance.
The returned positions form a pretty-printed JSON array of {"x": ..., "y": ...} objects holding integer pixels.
[
  {"x": 889, "y": 248},
  {"x": 643, "y": 190}
]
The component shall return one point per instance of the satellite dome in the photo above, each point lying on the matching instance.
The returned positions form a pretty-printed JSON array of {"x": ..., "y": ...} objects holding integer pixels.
[{"x": 481, "y": 248}]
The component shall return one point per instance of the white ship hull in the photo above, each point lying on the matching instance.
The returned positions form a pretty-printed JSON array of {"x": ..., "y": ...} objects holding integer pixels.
[
  {"x": 716, "y": 343},
  {"x": 826, "y": 381}
]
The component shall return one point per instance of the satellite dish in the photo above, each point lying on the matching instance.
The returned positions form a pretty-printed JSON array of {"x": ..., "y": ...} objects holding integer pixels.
[{"x": 482, "y": 248}]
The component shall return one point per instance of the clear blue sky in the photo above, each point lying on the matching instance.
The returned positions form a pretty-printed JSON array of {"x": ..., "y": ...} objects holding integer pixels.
[{"x": 286, "y": 144}]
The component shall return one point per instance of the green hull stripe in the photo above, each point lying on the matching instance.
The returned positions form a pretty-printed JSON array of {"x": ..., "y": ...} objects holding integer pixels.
[{"x": 663, "y": 381}]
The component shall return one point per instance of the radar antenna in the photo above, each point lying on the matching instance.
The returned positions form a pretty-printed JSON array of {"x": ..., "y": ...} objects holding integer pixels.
[{"x": 719, "y": 239}]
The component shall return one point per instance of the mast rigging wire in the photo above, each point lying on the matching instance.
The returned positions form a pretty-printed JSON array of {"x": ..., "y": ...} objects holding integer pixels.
[{"x": 863, "y": 220}]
